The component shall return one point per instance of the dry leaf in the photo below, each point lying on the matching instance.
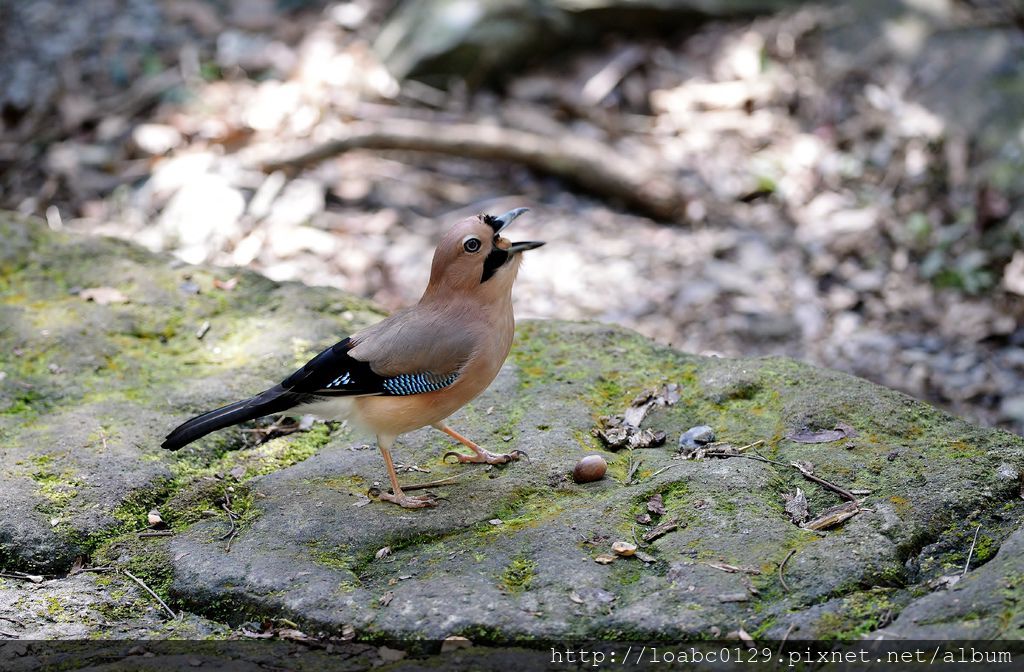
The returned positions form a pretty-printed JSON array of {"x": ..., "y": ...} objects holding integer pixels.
[{"x": 796, "y": 506}]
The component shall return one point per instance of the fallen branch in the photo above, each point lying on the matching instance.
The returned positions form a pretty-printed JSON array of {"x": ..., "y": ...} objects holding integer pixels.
[{"x": 595, "y": 166}]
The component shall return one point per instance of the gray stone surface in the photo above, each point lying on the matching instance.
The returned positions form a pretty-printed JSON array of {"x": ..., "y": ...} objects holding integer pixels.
[
  {"x": 511, "y": 551},
  {"x": 88, "y": 389}
]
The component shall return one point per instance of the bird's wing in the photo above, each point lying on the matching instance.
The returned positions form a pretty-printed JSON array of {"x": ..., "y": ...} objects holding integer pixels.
[{"x": 402, "y": 355}]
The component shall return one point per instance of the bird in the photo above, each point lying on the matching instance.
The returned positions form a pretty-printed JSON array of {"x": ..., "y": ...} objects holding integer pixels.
[{"x": 414, "y": 368}]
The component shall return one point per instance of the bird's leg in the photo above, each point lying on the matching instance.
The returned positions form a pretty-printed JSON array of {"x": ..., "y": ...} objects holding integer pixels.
[
  {"x": 480, "y": 455},
  {"x": 396, "y": 495}
]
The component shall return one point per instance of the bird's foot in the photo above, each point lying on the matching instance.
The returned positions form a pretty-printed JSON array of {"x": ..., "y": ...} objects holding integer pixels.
[
  {"x": 486, "y": 457},
  {"x": 410, "y": 501}
]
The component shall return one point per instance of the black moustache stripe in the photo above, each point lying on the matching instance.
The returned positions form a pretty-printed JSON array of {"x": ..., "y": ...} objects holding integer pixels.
[{"x": 495, "y": 260}]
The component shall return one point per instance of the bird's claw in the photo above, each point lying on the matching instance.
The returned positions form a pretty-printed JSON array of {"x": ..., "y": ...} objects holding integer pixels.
[
  {"x": 486, "y": 457},
  {"x": 410, "y": 501}
]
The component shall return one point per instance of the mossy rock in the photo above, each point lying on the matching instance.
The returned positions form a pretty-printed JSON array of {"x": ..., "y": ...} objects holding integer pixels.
[
  {"x": 307, "y": 539},
  {"x": 88, "y": 389}
]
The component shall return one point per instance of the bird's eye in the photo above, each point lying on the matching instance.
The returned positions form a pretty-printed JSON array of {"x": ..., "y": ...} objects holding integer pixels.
[{"x": 471, "y": 245}]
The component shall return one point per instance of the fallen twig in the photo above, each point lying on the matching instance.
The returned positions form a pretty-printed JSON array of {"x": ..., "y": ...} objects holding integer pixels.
[
  {"x": 782, "y": 569},
  {"x": 661, "y": 530},
  {"x": 430, "y": 484},
  {"x": 970, "y": 553},
  {"x": 593, "y": 165},
  {"x": 785, "y": 637},
  {"x": 842, "y": 492},
  {"x": 234, "y": 528},
  {"x": 661, "y": 470},
  {"x": 733, "y": 569},
  {"x": 634, "y": 466},
  {"x": 150, "y": 591}
]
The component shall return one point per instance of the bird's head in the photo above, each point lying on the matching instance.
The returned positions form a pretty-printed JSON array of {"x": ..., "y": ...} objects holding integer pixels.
[{"x": 474, "y": 257}]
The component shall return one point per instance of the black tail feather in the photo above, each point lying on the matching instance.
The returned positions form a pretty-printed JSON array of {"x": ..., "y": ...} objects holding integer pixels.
[{"x": 274, "y": 400}]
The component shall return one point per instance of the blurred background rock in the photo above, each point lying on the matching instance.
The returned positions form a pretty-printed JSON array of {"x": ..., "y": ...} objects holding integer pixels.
[{"x": 849, "y": 175}]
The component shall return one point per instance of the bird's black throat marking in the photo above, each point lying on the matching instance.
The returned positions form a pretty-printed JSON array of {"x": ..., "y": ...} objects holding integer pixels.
[{"x": 495, "y": 260}]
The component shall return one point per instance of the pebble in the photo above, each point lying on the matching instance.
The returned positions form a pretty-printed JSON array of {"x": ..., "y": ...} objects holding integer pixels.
[
  {"x": 695, "y": 437},
  {"x": 590, "y": 468}
]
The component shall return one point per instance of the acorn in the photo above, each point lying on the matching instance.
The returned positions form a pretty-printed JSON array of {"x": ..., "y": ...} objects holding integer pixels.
[{"x": 590, "y": 468}]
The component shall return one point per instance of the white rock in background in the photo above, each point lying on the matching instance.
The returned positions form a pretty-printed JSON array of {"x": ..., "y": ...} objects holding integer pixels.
[
  {"x": 201, "y": 217},
  {"x": 298, "y": 202},
  {"x": 1013, "y": 274},
  {"x": 156, "y": 139}
]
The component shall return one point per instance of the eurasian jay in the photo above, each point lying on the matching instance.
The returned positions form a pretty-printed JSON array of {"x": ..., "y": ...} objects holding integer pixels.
[{"x": 414, "y": 368}]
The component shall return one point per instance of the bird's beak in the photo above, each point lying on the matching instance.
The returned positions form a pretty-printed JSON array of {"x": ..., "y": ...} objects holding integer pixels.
[
  {"x": 515, "y": 248},
  {"x": 499, "y": 223}
]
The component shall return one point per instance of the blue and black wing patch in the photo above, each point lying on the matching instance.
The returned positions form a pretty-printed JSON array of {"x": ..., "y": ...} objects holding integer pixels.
[
  {"x": 417, "y": 383},
  {"x": 336, "y": 373}
]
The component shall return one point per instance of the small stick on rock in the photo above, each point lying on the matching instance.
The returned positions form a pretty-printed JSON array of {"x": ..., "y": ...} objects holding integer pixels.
[
  {"x": 150, "y": 591},
  {"x": 970, "y": 553},
  {"x": 661, "y": 470},
  {"x": 634, "y": 466},
  {"x": 782, "y": 579},
  {"x": 785, "y": 637},
  {"x": 842, "y": 492},
  {"x": 234, "y": 528},
  {"x": 661, "y": 530},
  {"x": 430, "y": 484}
]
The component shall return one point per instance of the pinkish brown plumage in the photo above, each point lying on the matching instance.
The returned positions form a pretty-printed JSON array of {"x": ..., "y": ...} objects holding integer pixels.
[{"x": 414, "y": 368}]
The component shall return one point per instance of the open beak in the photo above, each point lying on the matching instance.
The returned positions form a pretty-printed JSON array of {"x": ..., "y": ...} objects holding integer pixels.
[
  {"x": 515, "y": 248},
  {"x": 499, "y": 224}
]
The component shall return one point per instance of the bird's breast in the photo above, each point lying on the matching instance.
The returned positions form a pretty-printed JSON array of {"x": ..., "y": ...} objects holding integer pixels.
[{"x": 395, "y": 415}]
